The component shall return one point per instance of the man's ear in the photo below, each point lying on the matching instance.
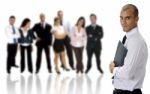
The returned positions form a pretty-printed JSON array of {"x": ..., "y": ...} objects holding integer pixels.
[{"x": 137, "y": 19}]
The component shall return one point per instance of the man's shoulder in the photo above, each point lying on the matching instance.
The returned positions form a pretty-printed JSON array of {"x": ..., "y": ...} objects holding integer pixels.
[
  {"x": 99, "y": 26},
  {"x": 47, "y": 24},
  {"x": 37, "y": 24},
  {"x": 137, "y": 40},
  {"x": 88, "y": 27}
]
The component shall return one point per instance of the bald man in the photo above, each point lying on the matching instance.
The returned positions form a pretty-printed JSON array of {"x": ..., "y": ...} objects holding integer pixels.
[{"x": 128, "y": 79}]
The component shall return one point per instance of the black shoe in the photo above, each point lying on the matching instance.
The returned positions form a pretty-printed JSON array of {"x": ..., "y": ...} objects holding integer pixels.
[
  {"x": 81, "y": 71},
  {"x": 72, "y": 68},
  {"x": 50, "y": 71},
  {"x": 31, "y": 72},
  {"x": 37, "y": 72},
  {"x": 8, "y": 72},
  {"x": 16, "y": 66},
  {"x": 21, "y": 71},
  {"x": 101, "y": 71},
  {"x": 62, "y": 66},
  {"x": 77, "y": 71},
  {"x": 58, "y": 72},
  {"x": 66, "y": 69},
  {"x": 86, "y": 71}
]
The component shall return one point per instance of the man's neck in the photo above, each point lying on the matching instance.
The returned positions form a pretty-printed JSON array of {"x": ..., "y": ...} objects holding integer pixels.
[
  {"x": 11, "y": 24},
  {"x": 94, "y": 25}
]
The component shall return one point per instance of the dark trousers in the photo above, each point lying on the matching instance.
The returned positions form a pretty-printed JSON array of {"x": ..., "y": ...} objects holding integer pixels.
[
  {"x": 29, "y": 57},
  {"x": 136, "y": 91},
  {"x": 11, "y": 54},
  {"x": 69, "y": 51},
  {"x": 79, "y": 55},
  {"x": 39, "y": 56},
  {"x": 90, "y": 52}
]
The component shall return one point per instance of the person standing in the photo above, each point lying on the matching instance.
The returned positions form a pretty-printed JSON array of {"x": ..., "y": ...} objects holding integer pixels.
[
  {"x": 78, "y": 38},
  {"x": 128, "y": 79},
  {"x": 59, "y": 34},
  {"x": 44, "y": 41},
  {"x": 25, "y": 41},
  {"x": 12, "y": 34},
  {"x": 94, "y": 46},
  {"x": 67, "y": 40}
]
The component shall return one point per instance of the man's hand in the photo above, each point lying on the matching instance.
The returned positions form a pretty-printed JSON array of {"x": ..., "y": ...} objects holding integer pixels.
[
  {"x": 111, "y": 67},
  {"x": 38, "y": 39}
]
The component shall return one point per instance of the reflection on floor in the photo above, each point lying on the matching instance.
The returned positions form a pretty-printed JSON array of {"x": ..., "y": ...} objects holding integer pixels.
[{"x": 53, "y": 84}]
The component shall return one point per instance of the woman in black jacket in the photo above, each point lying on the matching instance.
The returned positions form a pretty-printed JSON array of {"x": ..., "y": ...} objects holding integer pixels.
[{"x": 25, "y": 41}]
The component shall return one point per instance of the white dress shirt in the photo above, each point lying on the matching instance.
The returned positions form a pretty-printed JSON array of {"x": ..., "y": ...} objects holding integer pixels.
[
  {"x": 131, "y": 75},
  {"x": 67, "y": 27},
  {"x": 78, "y": 38},
  {"x": 10, "y": 35},
  {"x": 43, "y": 24}
]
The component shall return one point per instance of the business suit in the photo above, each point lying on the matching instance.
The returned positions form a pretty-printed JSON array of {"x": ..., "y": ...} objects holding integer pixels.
[
  {"x": 43, "y": 32},
  {"x": 94, "y": 36},
  {"x": 25, "y": 42}
]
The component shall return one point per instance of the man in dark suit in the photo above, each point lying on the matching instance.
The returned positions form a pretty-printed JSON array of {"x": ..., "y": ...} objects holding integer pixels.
[
  {"x": 44, "y": 40},
  {"x": 94, "y": 36}
]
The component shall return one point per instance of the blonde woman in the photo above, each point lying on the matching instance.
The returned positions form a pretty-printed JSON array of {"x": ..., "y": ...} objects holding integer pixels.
[{"x": 59, "y": 35}]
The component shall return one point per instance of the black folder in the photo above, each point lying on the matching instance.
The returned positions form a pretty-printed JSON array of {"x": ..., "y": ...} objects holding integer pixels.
[{"x": 120, "y": 54}]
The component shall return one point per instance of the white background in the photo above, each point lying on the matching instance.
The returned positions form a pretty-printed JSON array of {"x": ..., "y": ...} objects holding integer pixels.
[{"x": 108, "y": 12}]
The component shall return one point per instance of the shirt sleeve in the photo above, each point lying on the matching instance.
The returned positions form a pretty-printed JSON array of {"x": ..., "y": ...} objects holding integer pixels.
[
  {"x": 10, "y": 35},
  {"x": 132, "y": 60}
]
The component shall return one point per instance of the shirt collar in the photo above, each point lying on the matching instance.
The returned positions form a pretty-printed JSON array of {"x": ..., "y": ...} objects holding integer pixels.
[
  {"x": 132, "y": 32},
  {"x": 44, "y": 23},
  {"x": 11, "y": 26}
]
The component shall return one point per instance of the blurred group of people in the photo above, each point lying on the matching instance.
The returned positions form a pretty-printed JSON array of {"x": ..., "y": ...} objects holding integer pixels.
[{"x": 66, "y": 39}]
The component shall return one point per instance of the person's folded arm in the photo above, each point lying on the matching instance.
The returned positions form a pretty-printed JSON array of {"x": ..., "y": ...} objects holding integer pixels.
[{"x": 131, "y": 61}]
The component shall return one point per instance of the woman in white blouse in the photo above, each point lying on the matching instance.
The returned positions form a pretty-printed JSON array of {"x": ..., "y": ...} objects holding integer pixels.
[
  {"x": 78, "y": 38},
  {"x": 59, "y": 34}
]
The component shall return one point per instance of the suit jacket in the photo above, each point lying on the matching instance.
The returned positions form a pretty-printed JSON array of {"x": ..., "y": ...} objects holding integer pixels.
[
  {"x": 43, "y": 33},
  {"x": 94, "y": 36},
  {"x": 28, "y": 39}
]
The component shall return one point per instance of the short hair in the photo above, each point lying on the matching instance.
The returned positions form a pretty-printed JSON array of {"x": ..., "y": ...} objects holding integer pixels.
[
  {"x": 131, "y": 6},
  {"x": 42, "y": 14},
  {"x": 12, "y": 17},
  {"x": 93, "y": 15},
  {"x": 59, "y": 11}
]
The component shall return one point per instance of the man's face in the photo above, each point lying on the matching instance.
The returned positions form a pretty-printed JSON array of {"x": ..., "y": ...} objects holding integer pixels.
[
  {"x": 93, "y": 19},
  {"x": 11, "y": 21},
  {"x": 128, "y": 20},
  {"x": 60, "y": 14},
  {"x": 42, "y": 18}
]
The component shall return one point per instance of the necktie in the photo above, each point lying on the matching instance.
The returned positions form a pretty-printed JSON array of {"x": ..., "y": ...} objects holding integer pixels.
[
  {"x": 124, "y": 39},
  {"x": 61, "y": 22},
  {"x": 42, "y": 24},
  {"x": 14, "y": 32}
]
